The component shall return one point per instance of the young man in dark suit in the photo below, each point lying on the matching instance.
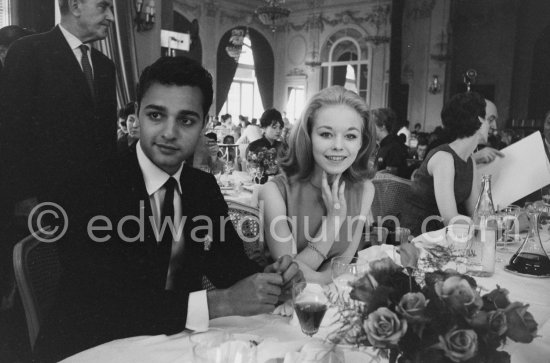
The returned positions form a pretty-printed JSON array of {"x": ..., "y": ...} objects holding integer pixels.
[{"x": 130, "y": 279}]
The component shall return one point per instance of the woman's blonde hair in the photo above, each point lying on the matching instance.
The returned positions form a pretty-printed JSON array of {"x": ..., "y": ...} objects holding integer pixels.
[{"x": 299, "y": 162}]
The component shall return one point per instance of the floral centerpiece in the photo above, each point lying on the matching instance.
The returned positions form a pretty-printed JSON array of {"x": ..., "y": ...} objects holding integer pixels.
[
  {"x": 263, "y": 162},
  {"x": 442, "y": 319}
]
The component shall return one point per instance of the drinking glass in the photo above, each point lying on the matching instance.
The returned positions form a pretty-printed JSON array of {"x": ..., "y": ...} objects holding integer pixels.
[
  {"x": 345, "y": 272},
  {"x": 310, "y": 305},
  {"x": 218, "y": 346},
  {"x": 508, "y": 217}
]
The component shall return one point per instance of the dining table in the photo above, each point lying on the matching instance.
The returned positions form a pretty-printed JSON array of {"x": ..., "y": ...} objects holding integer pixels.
[
  {"x": 279, "y": 336},
  {"x": 238, "y": 187}
]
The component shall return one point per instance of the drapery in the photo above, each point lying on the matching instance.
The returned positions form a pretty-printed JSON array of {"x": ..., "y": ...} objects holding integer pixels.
[
  {"x": 264, "y": 66},
  {"x": 120, "y": 47},
  {"x": 225, "y": 72}
]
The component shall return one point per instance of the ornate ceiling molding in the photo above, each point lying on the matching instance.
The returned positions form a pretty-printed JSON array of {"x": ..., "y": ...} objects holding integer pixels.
[{"x": 378, "y": 16}]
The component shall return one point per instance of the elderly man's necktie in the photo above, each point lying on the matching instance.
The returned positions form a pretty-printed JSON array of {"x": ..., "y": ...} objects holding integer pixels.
[{"x": 87, "y": 68}]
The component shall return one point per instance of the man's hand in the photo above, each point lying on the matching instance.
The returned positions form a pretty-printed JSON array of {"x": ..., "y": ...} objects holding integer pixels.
[
  {"x": 289, "y": 271},
  {"x": 256, "y": 294},
  {"x": 486, "y": 155}
]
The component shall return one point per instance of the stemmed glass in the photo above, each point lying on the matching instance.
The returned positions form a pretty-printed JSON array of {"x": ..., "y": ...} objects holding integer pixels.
[
  {"x": 255, "y": 172},
  {"x": 310, "y": 305},
  {"x": 509, "y": 218},
  {"x": 345, "y": 271}
]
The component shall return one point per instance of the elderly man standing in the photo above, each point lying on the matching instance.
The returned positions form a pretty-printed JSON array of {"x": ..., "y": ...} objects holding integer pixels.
[
  {"x": 58, "y": 107},
  {"x": 58, "y": 101}
]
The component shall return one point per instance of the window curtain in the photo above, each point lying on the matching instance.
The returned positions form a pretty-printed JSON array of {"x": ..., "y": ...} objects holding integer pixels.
[
  {"x": 120, "y": 47},
  {"x": 264, "y": 64},
  {"x": 339, "y": 72},
  {"x": 225, "y": 72}
]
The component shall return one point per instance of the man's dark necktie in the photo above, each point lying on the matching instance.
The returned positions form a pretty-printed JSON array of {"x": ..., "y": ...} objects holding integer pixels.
[
  {"x": 167, "y": 213},
  {"x": 87, "y": 68}
]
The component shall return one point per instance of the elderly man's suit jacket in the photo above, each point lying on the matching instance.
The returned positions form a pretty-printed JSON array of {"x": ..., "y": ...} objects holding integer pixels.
[{"x": 49, "y": 122}]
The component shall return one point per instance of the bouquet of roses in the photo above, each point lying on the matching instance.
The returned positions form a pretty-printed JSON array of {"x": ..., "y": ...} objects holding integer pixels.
[
  {"x": 444, "y": 320},
  {"x": 264, "y": 159}
]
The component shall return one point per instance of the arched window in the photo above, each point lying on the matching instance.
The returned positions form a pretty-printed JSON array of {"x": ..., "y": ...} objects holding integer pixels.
[
  {"x": 244, "y": 95},
  {"x": 347, "y": 62}
]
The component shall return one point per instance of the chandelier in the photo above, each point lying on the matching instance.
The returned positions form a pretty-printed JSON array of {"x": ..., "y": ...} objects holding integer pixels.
[{"x": 273, "y": 15}]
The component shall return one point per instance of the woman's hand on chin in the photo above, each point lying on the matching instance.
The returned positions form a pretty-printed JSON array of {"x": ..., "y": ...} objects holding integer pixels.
[{"x": 333, "y": 197}]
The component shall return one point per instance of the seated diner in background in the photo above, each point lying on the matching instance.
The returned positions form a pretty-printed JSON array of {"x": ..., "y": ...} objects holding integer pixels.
[
  {"x": 214, "y": 164},
  {"x": 271, "y": 124},
  {"x": 324, "y": 193},
  {"x": 392, "y": 153},
  {"x": 446, "y": 184}
]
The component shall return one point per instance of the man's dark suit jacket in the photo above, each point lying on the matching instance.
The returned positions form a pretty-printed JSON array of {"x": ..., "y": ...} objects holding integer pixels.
[
  {"x": 116, "y": 289},
  {"x": 49, "y": 122}
]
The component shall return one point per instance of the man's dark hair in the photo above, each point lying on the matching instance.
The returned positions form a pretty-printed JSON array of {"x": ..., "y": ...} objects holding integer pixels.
[
  {"x": 225, "y": 117},
  {"x": 270, "y": 117},
  {"x": 212, "y": 136},
  {"x": 177, "y": 71},
  {"x": 229, "y": 139},
  {"x": 460, "y": 114},
  {"x": 127, "y": 110}
]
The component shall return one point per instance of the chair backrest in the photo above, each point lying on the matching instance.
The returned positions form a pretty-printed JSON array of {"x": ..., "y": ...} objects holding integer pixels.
[
  {"x": 37, "y": 271},
  {"x": 390, "y": 193},
  {"x": 246, "y": 221}
]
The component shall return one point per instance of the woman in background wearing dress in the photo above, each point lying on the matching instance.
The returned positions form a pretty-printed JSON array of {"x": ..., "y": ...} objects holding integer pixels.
[{"x": 446, "y": 185}]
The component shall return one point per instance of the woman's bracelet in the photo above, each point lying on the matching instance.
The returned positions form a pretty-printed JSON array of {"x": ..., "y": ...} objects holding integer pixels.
[{"x": 312, "y": 247}]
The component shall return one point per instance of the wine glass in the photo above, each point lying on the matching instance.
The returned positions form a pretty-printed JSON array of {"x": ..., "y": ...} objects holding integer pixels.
[
  {"x": 345, "y": 271},
  {"x": 310, "y": 305}
]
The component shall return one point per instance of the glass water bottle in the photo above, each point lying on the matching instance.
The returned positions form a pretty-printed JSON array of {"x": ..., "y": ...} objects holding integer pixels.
[{"x": 482, "y": 246}]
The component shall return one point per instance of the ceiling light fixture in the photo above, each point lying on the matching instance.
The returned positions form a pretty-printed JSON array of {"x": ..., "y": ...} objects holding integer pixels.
[{"x": 273, "y": 15}]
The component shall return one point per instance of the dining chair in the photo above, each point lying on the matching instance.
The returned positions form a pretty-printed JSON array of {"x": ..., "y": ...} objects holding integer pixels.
[
  {"x": 37, "y": 271},
  {"x": 246, "y": 220},
  {"x": 390, "y": 193}
]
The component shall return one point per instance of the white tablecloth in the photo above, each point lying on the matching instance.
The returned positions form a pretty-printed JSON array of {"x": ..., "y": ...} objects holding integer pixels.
[{"x": 279, "y": 335}]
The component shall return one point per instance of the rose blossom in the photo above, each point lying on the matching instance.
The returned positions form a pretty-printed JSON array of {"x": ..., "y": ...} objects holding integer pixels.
[
  {"x": 459, "y": 345},
  {"x": 497, "y": 322},
  {"x": 493, "y": 321},
  {"x": 498, "y": 298},
  {"x": 459, "y": 295},
  {"x": 384, "y": 328},
  {"x": 522, "y": 327},
  {"x": 412, "y": 307}
]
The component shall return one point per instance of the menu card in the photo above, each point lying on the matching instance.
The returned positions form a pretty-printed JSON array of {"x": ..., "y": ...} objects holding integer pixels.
[{"x": 523, "y": 169}]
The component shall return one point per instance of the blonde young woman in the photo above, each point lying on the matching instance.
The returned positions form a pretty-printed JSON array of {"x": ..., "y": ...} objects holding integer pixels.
[{"x": 324, "y": 190}]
